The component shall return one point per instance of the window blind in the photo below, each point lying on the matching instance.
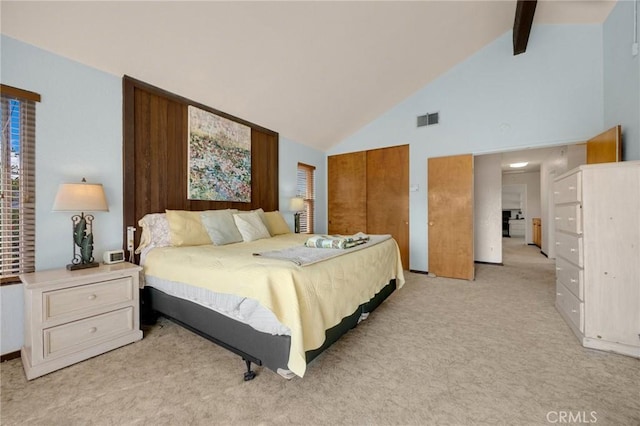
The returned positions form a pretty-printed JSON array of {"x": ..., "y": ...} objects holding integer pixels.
[
  {"x": 306, "y": 189},
  {"x": 17, "y": 183}
]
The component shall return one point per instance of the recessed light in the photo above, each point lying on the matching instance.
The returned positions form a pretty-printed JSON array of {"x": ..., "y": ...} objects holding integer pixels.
[{"x": 518, "y": 165}]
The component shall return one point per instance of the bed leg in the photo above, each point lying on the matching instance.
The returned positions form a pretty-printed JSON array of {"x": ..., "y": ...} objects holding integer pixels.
[{"x": 248, "y": 375}]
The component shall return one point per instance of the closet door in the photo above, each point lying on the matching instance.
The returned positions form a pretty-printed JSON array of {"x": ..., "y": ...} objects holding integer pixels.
[
  {"x": 388, "y": 195},
  {"x": 347, "y": 192}
]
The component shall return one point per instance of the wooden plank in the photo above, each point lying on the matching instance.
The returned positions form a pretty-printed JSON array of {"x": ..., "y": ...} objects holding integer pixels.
[
  {"x": 347, "y": 193},
  {"x": 606, "y": 147},
  {"x": 388, "y": 195},
  {"x": 525, "y": 10}
]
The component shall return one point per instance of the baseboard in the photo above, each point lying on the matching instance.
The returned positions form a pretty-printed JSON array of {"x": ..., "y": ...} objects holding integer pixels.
[
  {"x": 489, "y": 263},
  {"x": 415, "y": 271},
  {"x": 544, "y": 254},
  {"x": 10, "y": 356}
]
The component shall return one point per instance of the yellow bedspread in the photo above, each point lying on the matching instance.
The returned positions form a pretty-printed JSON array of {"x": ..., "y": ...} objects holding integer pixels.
[{"x": 307, "y": 299}]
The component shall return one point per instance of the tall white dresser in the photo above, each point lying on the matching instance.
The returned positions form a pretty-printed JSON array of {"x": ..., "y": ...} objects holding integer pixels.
[{"x": 597, "y": 214}]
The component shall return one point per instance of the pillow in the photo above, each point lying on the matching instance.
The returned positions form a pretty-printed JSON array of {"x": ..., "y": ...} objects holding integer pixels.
[
  {"x": 276, "y": 223},
  {"x": 186, "y": 228},
  {"x": 251, "y": 226},
  {"x": 155, "y": 231},
  {"x": 220, "y": 226}
]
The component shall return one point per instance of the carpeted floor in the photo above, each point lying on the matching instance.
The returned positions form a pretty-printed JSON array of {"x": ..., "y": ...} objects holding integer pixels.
[{"x": 439, "y": 351}]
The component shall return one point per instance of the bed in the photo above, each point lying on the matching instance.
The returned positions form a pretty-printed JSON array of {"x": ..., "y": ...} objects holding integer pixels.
[{"x": 268, "y": 298}]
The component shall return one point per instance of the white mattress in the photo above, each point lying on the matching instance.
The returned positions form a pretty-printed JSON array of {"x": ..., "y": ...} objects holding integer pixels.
[{"x": 242, "y": 309}]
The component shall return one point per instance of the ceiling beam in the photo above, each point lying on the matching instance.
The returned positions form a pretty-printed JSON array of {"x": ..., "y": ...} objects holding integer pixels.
[{"x": 525, "y": 9}]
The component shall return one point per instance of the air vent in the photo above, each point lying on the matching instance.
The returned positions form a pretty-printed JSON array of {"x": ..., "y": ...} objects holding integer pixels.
[{"x": 428, "y": 119}]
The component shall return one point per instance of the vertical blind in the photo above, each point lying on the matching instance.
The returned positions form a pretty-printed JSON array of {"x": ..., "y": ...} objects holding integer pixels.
[
  {"x": 306, "y": 190},
  {"x": 17, "y": 183}
]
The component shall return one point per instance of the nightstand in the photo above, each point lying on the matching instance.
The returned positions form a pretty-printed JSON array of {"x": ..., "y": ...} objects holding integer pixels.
[{"x": 70, "y": 316}]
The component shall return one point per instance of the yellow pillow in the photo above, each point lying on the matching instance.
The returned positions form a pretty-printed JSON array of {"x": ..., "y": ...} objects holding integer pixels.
[
  {"x": 276, "y": 223},
  {"x": 186, "y": 228}
]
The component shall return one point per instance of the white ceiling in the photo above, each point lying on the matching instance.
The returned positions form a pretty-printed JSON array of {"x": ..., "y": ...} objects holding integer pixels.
[{"x": 313, "y": 71}]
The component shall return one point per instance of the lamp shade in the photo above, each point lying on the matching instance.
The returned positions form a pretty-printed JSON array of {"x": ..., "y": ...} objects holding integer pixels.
[
  {"x": 80, "y": 197},
  {"x": 297, "y": 204}
]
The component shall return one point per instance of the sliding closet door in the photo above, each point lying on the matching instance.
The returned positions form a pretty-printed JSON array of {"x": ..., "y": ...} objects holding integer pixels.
[
  {"x": 388, "y": 195},
  {"x": 347, "y": 191}
]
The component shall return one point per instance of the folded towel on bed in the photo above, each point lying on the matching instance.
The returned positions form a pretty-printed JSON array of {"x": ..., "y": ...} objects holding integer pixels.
[
  {"x": 303, "y": 256},
  {"x": 337, "y": 241}
]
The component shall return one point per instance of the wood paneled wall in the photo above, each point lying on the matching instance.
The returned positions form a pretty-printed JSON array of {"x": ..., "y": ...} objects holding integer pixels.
[{"x": 155, "y": 156}]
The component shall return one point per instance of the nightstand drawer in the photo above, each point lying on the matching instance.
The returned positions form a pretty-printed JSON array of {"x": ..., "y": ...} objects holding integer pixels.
[
  {"x": 87, "y": 298},
  {"x": 570, "y": 276},
  {"x": 92, "y": 331}
]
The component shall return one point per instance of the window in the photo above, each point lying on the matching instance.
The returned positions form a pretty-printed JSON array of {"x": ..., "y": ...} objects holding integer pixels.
[
  {"x": 17, "y": 183},
  {"x": 306, "y": 189}
]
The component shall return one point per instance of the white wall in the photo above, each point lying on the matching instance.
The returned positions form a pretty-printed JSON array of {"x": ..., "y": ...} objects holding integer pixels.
[
  {"x": 494, "y": 102},
  {"x": 531, "y": 207},
  {"x": 79, "y": 134},
  {"x": 487, "y": 210},
  {"x": 622, "y": 78}
]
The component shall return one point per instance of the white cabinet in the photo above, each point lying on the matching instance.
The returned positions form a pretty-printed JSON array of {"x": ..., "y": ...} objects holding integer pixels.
[
  {"x": 516, "y": 227},
  {"x": 74, "y": 315},
  {"x": 598, "y": 254}
]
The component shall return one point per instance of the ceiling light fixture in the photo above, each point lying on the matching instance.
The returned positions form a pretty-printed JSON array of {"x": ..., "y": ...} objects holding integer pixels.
[{"x": 518, "y": 165}]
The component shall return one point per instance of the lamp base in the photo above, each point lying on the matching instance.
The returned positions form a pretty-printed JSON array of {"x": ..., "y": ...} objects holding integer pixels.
[{"x": 72, "y": 267}]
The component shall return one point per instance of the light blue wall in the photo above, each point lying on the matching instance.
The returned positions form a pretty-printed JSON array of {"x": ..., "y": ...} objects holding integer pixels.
[
  {"x": 622, "y": 78},
  {"x": 78, "y": 134},
  {"x": 290, "y": 154},
  {"x": 492, "y": 102}
]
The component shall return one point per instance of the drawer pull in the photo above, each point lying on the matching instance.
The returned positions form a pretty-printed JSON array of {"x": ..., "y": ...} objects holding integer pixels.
[
  {"x": 93, "y": 330},
  {"x": 558, "y": 268},
  {"x": 557, "y": 217},
  {"x": 574, "y": 311},
  {"x": 572, "y": 188},
  {"x": 92, "y": 297},
  {"x": 572, "y": 250},
  {"x": 570, "y": 219},
  {"x": 558, "y": 294},
  {"x": 573, "y": 280}
]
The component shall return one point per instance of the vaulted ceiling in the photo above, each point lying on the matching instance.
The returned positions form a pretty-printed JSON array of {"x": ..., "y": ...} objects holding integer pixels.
[{"x": 313, "y": 71}]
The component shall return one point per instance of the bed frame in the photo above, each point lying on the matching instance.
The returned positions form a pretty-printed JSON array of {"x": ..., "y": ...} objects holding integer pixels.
[{"x": 264, "y": 349}]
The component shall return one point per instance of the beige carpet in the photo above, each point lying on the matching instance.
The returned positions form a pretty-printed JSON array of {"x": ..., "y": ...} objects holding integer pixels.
[{"x": 439, "y": 351}]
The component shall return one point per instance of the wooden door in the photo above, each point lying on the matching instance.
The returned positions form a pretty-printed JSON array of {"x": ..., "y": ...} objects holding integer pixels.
[
  {"x": 347, "y": 192},
  {"x": 606, "y": 147},
  {"x": 450, "y": 197},
  {"x": 388, "y": 195}
]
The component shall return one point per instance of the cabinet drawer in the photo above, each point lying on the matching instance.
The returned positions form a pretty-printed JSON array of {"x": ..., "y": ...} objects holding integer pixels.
[
  {"x": 78, "y": 335},
  {"x": 569, "y": 247},
  {"x": 570, "y": 306},
  {"x": 87, "y": 298},
  {"x": 570, "y": 276},
  {"x": 569, "y": 218},
  {"x": 567, "y": 190}
]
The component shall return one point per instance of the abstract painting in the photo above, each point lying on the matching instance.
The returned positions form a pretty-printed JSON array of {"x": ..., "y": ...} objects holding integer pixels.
[{"x": 219, "y": 158}]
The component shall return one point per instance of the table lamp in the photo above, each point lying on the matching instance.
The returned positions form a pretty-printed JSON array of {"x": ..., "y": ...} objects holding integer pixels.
[
  {"x": 297, "y": 206},
  {"x": 81, "y": 197}
]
